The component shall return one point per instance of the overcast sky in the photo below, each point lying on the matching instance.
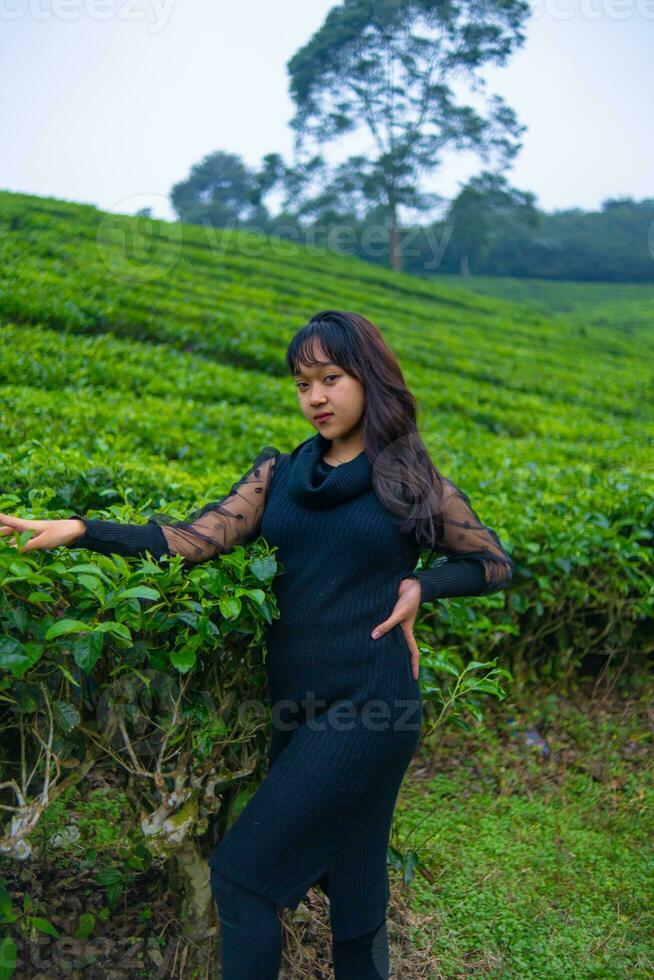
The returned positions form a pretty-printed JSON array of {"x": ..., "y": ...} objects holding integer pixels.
[{"x": 111, "y": 101}]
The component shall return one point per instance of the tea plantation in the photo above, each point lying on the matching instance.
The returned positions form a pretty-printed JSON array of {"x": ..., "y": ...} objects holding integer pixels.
[{"x": 141, "y": 369}]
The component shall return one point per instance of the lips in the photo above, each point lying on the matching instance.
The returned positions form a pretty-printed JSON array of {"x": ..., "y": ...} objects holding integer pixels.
[{"x": 323, "y": 417}]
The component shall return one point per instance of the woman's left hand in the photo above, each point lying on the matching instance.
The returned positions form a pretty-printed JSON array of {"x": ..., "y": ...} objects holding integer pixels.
[{"x": 404, "y": 613}]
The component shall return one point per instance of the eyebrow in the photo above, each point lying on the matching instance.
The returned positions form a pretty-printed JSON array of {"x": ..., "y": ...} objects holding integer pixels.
[{"x": 321, "y": 364}]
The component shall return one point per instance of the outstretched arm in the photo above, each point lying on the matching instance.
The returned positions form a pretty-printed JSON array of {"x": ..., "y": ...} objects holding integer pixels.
[
  {"x": 472, "y": 560},
  {"x": 216, "y": 528}
]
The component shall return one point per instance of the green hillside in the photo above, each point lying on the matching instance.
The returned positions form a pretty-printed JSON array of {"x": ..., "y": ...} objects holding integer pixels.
[
  {"x": 194, "y": 350},
  {"x": 598, "y": 302},
  {"x": 142, "y": 369},
  {"x": 143, "y": 364}
]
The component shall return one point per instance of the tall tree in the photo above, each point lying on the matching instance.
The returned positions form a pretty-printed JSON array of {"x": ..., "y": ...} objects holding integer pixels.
[
  {"x": 222, "y": 190},
  {"x": 481, "y": 210},
  {"x": 385, "y": 67}
]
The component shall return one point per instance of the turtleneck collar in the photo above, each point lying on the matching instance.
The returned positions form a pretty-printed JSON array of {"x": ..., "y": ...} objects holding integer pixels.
[{"x": 311, "y": 486}]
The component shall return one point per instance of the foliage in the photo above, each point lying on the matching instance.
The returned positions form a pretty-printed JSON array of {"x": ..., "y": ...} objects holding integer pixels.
[
  {"x": 612, "y": 244},
  {"x": 137, "y": 386},
  {"x": 387, "y": 68},
  {"x": 221, "y": 190},
  {"x": 535, "y": 858}
]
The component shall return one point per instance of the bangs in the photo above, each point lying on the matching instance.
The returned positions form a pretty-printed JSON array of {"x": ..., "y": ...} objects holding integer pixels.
[
  {"x": 335, "y": 344},
  {"x": 305, "y": 354}
]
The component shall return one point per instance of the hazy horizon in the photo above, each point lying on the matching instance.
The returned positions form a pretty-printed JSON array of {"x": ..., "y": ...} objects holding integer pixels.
[{"x": 99, "y": 99}]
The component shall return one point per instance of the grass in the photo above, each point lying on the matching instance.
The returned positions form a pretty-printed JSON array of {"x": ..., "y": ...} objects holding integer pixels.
[
  {"x": 149, "y": 389},
  {"x": 537, "y": 866},
  {"x": 557, "y": 295}
]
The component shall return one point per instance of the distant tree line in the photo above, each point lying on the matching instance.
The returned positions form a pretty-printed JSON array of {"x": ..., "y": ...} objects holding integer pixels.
[
  {"x": 489, "y": 228},
  {"x": 614, "y": 244},
  {"x": 382, "y": 69}
]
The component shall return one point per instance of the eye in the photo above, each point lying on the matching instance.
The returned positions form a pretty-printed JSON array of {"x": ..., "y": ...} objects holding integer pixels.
[{"x": 299, "y": 384}]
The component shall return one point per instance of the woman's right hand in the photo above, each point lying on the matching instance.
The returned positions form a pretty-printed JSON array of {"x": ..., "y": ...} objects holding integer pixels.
[{"x": 47, "y": 534}]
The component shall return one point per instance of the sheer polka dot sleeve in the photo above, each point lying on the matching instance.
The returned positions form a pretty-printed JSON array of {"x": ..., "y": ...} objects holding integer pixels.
[
  {"x": 215, "y": 528},
  {"x": 471, "y": 558}
]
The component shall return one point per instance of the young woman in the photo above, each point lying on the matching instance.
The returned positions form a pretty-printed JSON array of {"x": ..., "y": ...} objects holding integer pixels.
[{"x": 349, "y": 509}]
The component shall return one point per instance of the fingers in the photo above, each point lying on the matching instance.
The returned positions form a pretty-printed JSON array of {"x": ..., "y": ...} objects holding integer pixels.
[
  {"x": 13, "y": 527},
  {"x": 395, "y": 620},
  {"x": 387, "y": 625},
  {"x": 382, "y": 628},
  {"x": 12, "y": 523},
  {"x": 405, "y": 608},
  {"x": 415, "y": 653},
  {"x": 407, "y": 629},
  {"x": 26, "y": 546},
  {"x": 16, "y": 526}
]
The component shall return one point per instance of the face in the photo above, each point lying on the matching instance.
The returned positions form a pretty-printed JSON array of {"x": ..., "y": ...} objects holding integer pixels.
[{"x": 329, "y": 388}]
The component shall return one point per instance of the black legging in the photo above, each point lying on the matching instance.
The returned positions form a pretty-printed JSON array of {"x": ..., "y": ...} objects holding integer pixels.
[{"x": 251, "y": 939}]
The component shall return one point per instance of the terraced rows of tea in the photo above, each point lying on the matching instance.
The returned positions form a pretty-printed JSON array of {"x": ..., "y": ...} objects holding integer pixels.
[{"x": 143, "y": 366}]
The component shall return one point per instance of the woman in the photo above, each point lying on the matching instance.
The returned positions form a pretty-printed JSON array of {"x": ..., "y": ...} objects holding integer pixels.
[{"x": 349, "y": 510}]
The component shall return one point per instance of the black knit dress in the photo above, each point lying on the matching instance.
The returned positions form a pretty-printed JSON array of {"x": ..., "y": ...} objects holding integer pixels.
[{"x": 346, "y": 710}]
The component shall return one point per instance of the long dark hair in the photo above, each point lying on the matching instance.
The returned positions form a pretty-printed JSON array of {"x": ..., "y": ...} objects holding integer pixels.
[{"x": 404, "y": 477}]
